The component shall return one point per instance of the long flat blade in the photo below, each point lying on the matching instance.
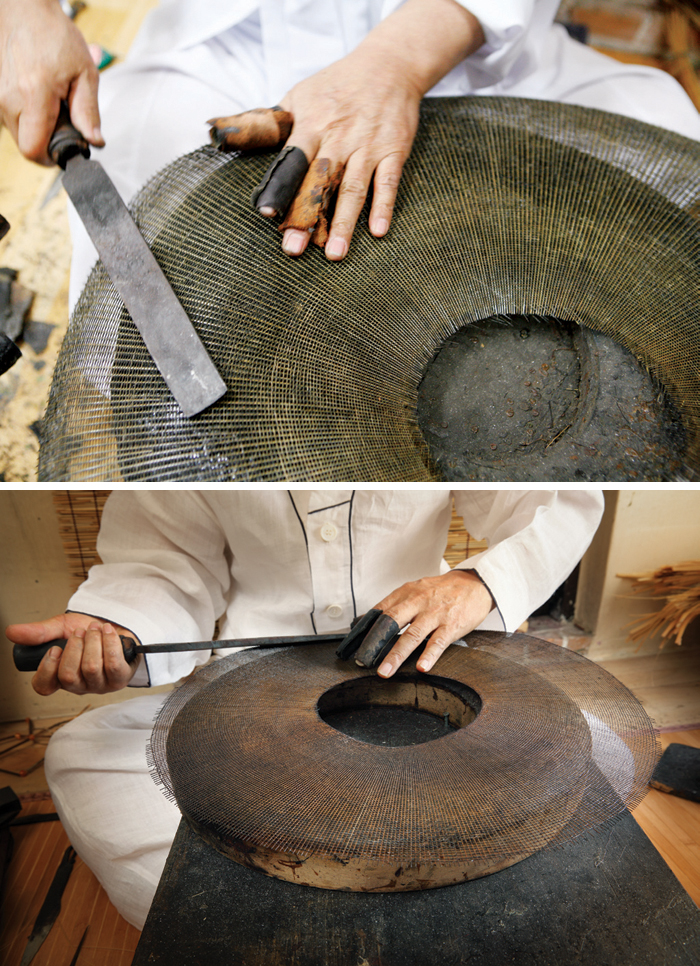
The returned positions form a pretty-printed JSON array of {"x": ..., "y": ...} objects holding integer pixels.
[
  {"x": 34, "y": 944},
  {"x": 50, "y": 908},
  {"x": 27, "y": 657},
  {"x": 168, "y": 333},
  {"x": 288, "y": 641}
]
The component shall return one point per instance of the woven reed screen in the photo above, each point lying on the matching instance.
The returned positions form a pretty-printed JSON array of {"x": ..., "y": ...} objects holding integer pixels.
[{"x": 78, "y": 513}]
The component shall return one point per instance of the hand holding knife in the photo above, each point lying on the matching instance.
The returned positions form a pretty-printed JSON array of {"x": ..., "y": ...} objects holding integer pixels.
[
  {"x": 27, "y": 657},
  {"x": 369, "y": 641},
  {"x": 165, "y": 328}
]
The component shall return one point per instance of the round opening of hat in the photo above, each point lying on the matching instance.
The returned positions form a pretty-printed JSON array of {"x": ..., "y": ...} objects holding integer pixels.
[
  {"x": 405, "y": 710},
  {"x": 528, "y": 397}
]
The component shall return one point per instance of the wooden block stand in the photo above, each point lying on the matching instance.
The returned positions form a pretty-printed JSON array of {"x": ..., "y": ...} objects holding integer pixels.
[{"x": 606, "y": 898}]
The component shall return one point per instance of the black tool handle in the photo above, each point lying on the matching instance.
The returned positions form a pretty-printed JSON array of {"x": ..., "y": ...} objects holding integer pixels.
[
  {"x": 9, "y": 353},
  {"x": 66, "y": 140},
  {"x": 28, "y": 656}
]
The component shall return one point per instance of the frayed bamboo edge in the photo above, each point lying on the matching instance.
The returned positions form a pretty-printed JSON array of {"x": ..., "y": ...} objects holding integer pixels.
[{"x": 680, "y": 585}]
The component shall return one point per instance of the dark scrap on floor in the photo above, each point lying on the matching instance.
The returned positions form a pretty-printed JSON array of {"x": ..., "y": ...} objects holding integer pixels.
[{"x": 678, "y": 772}]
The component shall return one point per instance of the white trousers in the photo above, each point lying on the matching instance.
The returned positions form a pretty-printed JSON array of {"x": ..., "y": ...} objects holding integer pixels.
[
  {"x": 154, "y": 109},
  {"x": 117, "y": 819}
]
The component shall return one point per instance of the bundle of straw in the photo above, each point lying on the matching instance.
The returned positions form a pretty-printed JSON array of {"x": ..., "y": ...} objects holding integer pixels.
[{"x": 680, "y": 585}]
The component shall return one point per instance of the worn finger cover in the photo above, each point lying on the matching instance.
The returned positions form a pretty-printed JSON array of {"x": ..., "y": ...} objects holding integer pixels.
[
  {"x": 507, "y": 207},
  {"x": 545, "y": 746}
]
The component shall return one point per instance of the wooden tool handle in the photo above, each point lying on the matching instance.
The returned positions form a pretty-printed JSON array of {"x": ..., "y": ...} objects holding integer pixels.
[
  {"x": 66, "y": 140},
  {"x": 27, "y": 657}
]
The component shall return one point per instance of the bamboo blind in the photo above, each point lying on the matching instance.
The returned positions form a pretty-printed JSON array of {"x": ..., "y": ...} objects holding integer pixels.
[
  {"x": 461, "y": 544},
  {"x": 79, "y": 513}
]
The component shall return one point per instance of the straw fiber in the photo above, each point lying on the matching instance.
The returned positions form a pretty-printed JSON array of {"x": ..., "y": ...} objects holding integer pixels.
[
  {"x": 560, "y": 216},
  {"x": 543, "y": 746}
]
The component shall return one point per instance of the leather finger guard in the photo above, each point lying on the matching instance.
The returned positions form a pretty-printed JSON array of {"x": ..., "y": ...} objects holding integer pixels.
[
  {"x": 309, "y": 211},
  {"x": 256, "y": 130},
  {"x": 378, "y": 641},
  {"x": 281, "y": 181},
  {"x": 350, "y": 644}
]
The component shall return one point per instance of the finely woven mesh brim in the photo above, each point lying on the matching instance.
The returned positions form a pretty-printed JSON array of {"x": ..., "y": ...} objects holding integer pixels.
[
  {"x": 558, "y": 748},
  {"x": 507, "y": 206}
]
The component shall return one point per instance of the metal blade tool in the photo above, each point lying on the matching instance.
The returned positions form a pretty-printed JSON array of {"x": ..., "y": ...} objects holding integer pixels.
[
  {"x": 168, "y": 333},
  {"x": 27, "y": 657},
  {"x": 50, "y": 908}
]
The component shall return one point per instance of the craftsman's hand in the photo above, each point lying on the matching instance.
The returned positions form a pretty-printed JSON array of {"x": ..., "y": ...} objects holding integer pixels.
[
  {"x": 92, "y": 662},
  {"x": 364, "y": 122},
  {"x": 445, "y": 607},
  {"x": 361, "y": 113},
  {"x": 43, "y": 60}
]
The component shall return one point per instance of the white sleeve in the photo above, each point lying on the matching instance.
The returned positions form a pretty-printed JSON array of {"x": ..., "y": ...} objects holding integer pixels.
[
  {"x": 164, "y": 575},
  {"x": 535, "y": 537},
  {"x": 513, "y": 30},
  {"x": 502, "y": 22}
]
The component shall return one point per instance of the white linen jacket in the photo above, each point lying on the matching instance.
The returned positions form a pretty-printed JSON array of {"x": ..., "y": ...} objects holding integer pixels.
[
  {"x": 268, "y": 562},
  {"x": 303, "y": 36}
]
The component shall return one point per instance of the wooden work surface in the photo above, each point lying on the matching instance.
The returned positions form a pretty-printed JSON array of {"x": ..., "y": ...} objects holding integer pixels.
[
  {"x": 38, "y": 247},
  {"x": 603, "y": 899}
]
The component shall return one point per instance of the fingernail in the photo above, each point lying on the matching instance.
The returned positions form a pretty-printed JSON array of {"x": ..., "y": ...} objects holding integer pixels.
[
  {"x": 293, "y": 242},
  {"x": 385, "y": 669},
  {"x": 107, "y": 629},
  {"x": 97, "y": 135},
  {"x": 380, "y": 227},
  {"x": 55, "y": 653},
  {"x": 267, "y": 212},
  {"x": 423, "y": 665},
  {"x": 336, "y": 248}
]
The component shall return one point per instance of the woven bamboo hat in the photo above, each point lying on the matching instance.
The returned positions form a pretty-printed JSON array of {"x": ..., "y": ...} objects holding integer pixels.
[{"x": 421, "y": 356}]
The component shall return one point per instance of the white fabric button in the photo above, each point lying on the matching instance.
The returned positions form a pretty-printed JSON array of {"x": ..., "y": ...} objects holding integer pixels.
[
  {"x": 329, "y": 532},
  {"x": 334, "y": 610}
]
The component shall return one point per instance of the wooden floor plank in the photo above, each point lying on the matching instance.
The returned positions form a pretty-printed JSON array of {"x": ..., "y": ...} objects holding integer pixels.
[
  {"x": 667, "y": 683},
  {"x": 673, "y": 824},
  {"x": 38, "y": 852},
  {"x": 671, "y": 666},
  {"x": 691, "y": 738}
]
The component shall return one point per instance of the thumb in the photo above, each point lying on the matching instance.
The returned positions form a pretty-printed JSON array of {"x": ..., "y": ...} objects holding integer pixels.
[
  {"x": 38, "y": 632},
  {"x": 84, "y": 112}
]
